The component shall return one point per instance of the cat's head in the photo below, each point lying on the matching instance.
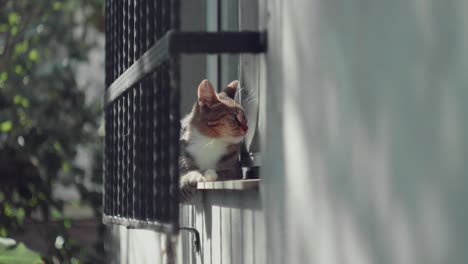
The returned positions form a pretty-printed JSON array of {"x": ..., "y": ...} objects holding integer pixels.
[{"x": 219, "y": 115}]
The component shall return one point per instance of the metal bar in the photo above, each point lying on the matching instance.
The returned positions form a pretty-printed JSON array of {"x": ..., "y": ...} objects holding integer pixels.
[
  {"x": 154, "y": 225},
  {"x": 164, "y": 143},
  {"x": 130, "y": 150},
  {"x": 218, "y": 42},
  {"x": 136, "y": 39},
  {"x": 148, "y": 181},
  {"x": 115, "y": 46},
  {"x": 120, "y": 174},
  {"x": 174, "y": 134},
  {"x": 108, "y": 45},
  {"x": 125, "y": 161},
  {"x": 143, "y": 66},
  {"x": 174, "y": 126},
  {"x": 121, "y": 11},
  {"x": 157, "y": 134},
  {"x": 219, "y": 27},
  {"x": 185, "y": 42},
  {"x": 149, "y": 16},
  {"x": 115, "y": 159},
  {"x": 136, "y": 153}
]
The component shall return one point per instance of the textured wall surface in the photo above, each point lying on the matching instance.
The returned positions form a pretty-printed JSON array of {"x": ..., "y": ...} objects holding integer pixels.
[
  {"x": 364, "y": 145},
  {"x": 367, "y": 111},
  {"x": 231, "y": 226}
]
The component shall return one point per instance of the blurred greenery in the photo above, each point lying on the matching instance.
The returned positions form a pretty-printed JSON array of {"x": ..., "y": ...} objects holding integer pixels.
[
  {"x": 44, "y": 117},
  {"x": 18, "y": 253}
]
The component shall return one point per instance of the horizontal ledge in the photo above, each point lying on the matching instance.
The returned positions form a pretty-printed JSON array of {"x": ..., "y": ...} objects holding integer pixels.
[
  {"x": 237, "y": 185},
  {"x": 132, "y": 223},
  {"x": 217, "y": 42},
  {"x": 174, "y": 42}
]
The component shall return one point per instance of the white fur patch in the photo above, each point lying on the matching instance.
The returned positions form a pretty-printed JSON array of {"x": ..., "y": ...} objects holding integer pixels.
[
  {"x": 208, "y": 151},
  {"x": 210, "y": 175},
  {"x": 185, "y": 123}
]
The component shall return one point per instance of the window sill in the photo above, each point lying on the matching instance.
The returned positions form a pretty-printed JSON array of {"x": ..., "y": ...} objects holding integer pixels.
[{"x": 237, "y": 185}]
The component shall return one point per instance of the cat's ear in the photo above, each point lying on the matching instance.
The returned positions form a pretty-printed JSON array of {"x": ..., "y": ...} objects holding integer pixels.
[
  {"x": 206, "y": 94},
  {"x": 231, "y": 89}
]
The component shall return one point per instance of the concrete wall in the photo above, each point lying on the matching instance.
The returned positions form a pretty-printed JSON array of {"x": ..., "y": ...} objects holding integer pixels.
[
  {"x": 367, "y": 135},
  {"x": 231, "y": 226}
]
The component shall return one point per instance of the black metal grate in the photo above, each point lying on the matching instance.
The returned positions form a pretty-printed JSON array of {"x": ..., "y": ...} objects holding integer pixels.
[
  {"x": 142, "y": 107},
  {"x": 141, "y": 143}
]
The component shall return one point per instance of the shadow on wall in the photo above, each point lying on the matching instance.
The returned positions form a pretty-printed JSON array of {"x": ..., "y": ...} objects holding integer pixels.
[
  {"x": 231, "y": 226},
  {"x": 375, "y": 133}
]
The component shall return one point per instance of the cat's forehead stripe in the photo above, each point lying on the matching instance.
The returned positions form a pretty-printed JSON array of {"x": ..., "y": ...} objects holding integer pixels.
[{"x": 229, "y": 102}]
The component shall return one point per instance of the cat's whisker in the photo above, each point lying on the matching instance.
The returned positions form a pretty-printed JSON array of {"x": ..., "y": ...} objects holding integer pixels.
[
  {"x": 238, "y": 92},
  {"x": 250, "y": 98},
  {"x": 251, "y": 101},
  {"x": 250, "y": 95}
]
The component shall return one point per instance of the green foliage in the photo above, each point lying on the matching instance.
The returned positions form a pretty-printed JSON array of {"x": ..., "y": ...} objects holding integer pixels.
[
  {"x": 5, "y": 126},
  {"x": 44, "y": 117},
  {"x": 18, "y": 254}
]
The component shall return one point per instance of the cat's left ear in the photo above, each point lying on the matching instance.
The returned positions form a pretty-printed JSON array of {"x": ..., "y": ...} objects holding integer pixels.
[
  {"x": 206, "y": 94},
  {"x": 231, "y": 89}
]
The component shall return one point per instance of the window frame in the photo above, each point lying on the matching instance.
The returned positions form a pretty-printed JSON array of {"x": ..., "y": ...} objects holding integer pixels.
[
  {"x": 131, "y": 113},
  {"x": 248, "y": 68}
]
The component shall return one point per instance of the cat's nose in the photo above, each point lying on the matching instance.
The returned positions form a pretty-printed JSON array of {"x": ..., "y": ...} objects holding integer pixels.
[{"x": 244, "y": 126}]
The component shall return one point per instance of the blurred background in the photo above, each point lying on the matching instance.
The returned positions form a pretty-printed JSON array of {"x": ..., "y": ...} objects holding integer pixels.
[
  {"x": 361, "y": 116},
  {"x": 51, "y": 83}
]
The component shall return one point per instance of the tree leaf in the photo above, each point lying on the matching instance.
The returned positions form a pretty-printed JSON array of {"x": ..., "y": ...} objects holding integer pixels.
[
  {"x": 6, "y": 126},
  {"x": 3, "y": 76},
  {"x": 57, "y": 5},
  {"x": 13, "y": 18},
  {"x": 33, "y": 55}
]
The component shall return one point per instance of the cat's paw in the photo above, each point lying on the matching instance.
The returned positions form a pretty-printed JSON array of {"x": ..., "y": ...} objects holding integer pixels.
[
  {"x": 210, "y": 175},
  {"x": 188, "y": 184},
  {"x": 191, "y": 179}
]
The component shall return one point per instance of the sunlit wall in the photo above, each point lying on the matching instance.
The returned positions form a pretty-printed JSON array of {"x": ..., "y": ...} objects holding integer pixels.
[{"x": 367, "y": 131}]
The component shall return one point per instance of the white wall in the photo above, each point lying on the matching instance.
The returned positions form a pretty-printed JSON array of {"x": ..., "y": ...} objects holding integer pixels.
[
  {"x": 365, "y": 142},
  {"x": 367, "y": 135},
  {"x": 231, "y": 226}
]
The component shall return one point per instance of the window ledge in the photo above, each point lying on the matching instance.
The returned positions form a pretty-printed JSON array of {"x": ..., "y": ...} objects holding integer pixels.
[{"x": 237, "y": 185}]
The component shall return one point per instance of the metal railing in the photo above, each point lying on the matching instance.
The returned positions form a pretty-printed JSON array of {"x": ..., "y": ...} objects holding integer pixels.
[{"x": 141, "y": 106}]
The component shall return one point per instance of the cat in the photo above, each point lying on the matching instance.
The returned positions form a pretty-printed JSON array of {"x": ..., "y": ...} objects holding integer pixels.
[
  {"x": 210, "y": 141},
  {"x": 210, "y": 138}
]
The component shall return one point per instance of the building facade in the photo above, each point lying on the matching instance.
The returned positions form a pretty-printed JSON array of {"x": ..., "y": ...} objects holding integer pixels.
[{"x": 363, "y": 135}]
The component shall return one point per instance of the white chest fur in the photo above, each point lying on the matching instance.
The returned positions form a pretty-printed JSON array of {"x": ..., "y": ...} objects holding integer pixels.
[{"x": 206, "y": 151}]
